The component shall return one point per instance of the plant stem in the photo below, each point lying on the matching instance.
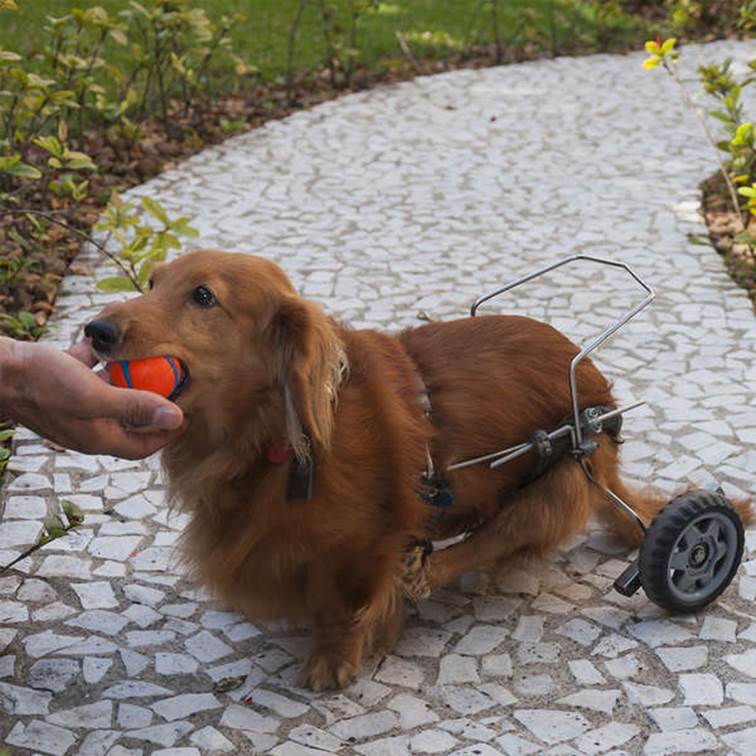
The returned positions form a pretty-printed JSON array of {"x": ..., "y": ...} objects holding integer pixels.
[
  {"x": 34, "y": 548},
  {"x": 113, "y": 258},
  {"x": 497, "y": 35},
  {"x": 293, "y": 32},
  {"x": 406, "y": 50},
  {"x": 673, "y": 72},
  {"x": 330, "y": 50}
]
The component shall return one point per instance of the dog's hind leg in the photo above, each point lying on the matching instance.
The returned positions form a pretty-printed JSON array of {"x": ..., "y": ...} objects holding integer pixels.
[{"x": 531, "y": 523}]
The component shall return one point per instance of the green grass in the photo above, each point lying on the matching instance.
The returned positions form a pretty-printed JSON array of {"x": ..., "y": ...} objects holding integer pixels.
[{"x": 432, "y": 28}]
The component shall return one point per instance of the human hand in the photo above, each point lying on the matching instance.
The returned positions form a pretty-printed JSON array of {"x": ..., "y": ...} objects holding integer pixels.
[{"x": 57, "y": 395}]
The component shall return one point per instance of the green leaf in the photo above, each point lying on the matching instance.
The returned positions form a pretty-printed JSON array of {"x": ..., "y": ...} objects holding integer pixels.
[
  {"x": 4, "y": 453},
  {"x": 81, "y": 164},
  {"x": 721, "y": 115},
  {"x": 119, "y": 37},
  {"x": 53, "y": 522},
  {"x": 169, "y": 240},
  {"x": 6, "y": 434},
  {"x": 50, "y": 144},
  {"x": 72, "y": 512},
  {"x": 145, "y": 271},
  {"x": 702, "y": 241},
  {"x": 155, "y": 210},
  {"x": 22, "y": 170},
  {"x": 181, "y": 227},
  {"x": 27, "y": 319},
  {"x": 228, "y": 683},
  {"x": 116, "y": 284}
]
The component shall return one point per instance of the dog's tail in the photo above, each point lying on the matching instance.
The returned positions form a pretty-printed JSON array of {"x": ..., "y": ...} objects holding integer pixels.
[{"x": 646, "y": 503}]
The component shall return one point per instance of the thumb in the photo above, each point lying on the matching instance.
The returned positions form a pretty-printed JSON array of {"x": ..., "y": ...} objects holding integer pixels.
[{"x": 143, "y": 409}]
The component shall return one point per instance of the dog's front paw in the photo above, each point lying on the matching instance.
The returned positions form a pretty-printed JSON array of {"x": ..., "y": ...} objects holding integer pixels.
[{"x": 323, "y": 672}]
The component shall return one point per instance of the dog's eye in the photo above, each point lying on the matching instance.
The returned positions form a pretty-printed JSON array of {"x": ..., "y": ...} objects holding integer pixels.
[
  {"x": 203, "y": 297},
  {"x": 151, "y": 283}
]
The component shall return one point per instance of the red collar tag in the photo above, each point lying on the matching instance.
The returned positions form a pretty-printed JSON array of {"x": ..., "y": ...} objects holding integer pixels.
[{"x": 277, "y": 453}]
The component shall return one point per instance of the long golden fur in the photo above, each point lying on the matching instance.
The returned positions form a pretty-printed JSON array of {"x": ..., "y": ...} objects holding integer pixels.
[{"x": 267, "y": 365}]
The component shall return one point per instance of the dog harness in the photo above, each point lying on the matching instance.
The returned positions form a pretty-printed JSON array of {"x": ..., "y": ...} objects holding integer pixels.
[{"x": 435, "y": 490}]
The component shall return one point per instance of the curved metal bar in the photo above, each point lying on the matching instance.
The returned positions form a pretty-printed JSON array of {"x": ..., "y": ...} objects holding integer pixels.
[
  {"x": 598, "y": 340},
  {"x": 621, "y": 503}
]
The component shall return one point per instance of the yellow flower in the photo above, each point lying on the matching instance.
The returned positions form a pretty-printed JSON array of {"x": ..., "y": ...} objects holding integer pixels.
[{"x": 660, "y": 52}]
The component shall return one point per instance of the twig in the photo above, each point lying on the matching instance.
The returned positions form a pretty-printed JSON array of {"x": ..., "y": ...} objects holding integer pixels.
[
  {"x": 25, "y": 554},
  {"x": 497, "y": 35},
  {"x": 407, "y": 52},
  {"x": 113, "y": 258},
  {"x": 35, "y": 547},
  {"x": 293, "y": 32}
]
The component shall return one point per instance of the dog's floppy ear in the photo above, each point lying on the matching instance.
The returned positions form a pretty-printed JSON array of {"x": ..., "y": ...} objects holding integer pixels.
[{"x": 309, "y": 366}]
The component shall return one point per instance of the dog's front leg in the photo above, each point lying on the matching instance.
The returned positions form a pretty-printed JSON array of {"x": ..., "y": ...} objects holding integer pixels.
[{"x": 336, "y": 656}]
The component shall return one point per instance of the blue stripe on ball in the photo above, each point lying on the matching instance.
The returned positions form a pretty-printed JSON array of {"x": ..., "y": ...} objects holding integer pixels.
[
  {"x": 175, "y": 370},
  {"x": 126, "y": 372}
]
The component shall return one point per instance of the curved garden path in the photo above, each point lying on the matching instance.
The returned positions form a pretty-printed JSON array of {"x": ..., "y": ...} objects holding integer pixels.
[{"x": 379, "y": 205}]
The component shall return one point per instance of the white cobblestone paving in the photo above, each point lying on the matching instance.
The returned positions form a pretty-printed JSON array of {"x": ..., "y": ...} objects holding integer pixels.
[{"x": 380, "y": 205}]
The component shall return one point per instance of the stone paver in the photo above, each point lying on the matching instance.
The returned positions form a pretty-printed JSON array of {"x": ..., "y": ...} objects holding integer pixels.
[{"x": 380, "y": 205}]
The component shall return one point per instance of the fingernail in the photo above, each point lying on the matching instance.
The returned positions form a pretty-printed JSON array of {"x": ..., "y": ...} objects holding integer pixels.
[{"x": 167, "y": 418}]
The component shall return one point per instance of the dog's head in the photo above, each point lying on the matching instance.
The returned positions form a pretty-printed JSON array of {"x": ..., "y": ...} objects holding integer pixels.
[{"x": 261, "y": 361}]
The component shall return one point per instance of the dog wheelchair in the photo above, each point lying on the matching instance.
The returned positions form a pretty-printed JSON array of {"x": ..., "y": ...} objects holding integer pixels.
[{"x": 692, "y": 549}]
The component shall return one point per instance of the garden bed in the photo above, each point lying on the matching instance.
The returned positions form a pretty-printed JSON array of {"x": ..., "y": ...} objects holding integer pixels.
[{"x": 724, "y": 225}]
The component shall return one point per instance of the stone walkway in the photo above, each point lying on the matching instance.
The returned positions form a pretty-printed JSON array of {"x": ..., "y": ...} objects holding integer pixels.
[{"x": 381, "y": 205}]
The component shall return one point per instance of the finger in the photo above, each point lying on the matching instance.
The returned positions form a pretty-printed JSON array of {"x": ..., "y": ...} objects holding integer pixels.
[
  {"x": 104, "y": 436},
  {"x": 132, "y": 408},
  {"x": 139, "y": 445},
  {"x": 83, "y": 353}
]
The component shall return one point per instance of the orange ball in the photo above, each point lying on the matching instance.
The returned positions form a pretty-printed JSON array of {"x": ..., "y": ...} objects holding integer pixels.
[{"x": 161, "y": 375}]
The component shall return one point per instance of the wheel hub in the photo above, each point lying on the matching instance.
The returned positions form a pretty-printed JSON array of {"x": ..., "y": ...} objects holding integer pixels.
[{"x": 698, "y": 555}]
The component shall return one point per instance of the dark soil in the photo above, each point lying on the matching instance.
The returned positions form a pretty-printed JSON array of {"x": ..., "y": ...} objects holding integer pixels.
[{"x": 724, "y": 225}]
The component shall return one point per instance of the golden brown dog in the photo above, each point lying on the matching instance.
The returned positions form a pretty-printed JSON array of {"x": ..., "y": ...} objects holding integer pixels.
[{"x": 270, "y": 372}]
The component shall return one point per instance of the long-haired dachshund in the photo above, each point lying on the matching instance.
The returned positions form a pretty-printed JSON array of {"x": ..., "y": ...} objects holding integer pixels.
[{"x": 305, "y": 461}]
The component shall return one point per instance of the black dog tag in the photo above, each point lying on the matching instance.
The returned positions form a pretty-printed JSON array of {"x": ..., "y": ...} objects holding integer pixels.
[{"x": 299, "y": 486}]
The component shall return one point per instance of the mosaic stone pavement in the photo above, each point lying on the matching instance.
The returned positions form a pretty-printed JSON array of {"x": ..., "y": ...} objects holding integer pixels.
[{"x": 383, "y": 205}]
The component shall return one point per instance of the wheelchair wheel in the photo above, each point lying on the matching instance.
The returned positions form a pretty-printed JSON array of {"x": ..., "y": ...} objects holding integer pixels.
[{"x": 691, "y": 551}]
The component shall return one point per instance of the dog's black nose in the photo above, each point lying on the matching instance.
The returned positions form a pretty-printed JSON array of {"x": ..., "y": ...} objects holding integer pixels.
[{"x": 104, "y": 334}]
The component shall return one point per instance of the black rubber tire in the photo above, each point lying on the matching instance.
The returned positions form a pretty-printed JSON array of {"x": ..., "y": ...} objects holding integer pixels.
[{"x": 658, "y": 549}]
